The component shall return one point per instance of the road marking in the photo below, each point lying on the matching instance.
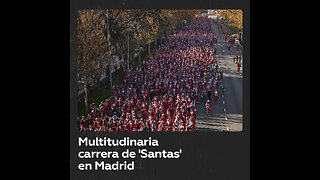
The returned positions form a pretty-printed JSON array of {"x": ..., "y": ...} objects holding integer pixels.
[
  {"x": 224, "y": 110},
  {"x": 226, "y": 118},
  {"x": 222, "y": 102},
  {"x": 227, "y": 128}
]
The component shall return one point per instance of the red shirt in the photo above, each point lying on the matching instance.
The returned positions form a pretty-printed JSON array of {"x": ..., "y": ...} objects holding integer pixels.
[{"x": 120, "y": 128}]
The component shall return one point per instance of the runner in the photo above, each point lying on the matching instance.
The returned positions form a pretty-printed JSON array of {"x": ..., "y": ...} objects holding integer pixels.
[
  {"x": 208, "y": 107},
  {"x": 238, "y": 65},
  {"x": 215, "y": 95}
]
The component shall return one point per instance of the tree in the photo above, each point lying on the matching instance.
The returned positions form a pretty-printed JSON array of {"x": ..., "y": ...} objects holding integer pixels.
[
  {"x": 91, "y": 46},
  {"x": 232, "y": 17},
  {"x": 171, "y": 19},
  {"x": 137, "y": 25}
]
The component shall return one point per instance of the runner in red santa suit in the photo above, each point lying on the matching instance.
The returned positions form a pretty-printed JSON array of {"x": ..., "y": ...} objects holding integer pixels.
[
  {"x": 129, "y": 126},
  {"x": 176, "y": 124},
  {"x": 95, "y": 123},
  {"x": 113, "y": 124},
  {"x": 128, "y": 117},
  {"x": 196, "y": 96},
  {"x": 216, "y": 94},
  {"x": 101, "y": 121},
  {"x": 82, "y": 122},
  {"x": 193, "y": 120},
  {"x": 135, "y": 125},
  {"x": 161, "y": 127},
  {"x": 168, "y": 115},
  {"x": 239, "y": 66},
  {"x": 141, "y": 125},
  {"x": 221, "y": 73},
  {"x": 107, "y": 106},
  {"x": 189, "y": 124},
  {"x": 154, "y": 127},
  {"x": 93, "y": 115},
  {"x": 149, "y": 123},
  {"x": 134, "y": 116},
  {"x": 103, "y": 129},
  {"x": 90, "y": 128},
  {"x": 98, "y": 129},
  {"x": 120, "y": 127},
  {"x": 208, "y": 107},
  {"x": 102, "y": 109},
  {"x": 145, "y": 110},
  {"x": 182, "y": 121},
  {"x": 169, "y": 125},
  {"x": 162, "y": 118},
  {"x": 182, "y": 128}
]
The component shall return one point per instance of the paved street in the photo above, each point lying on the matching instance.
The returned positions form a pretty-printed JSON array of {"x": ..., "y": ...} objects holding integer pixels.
[{"x": 226, "y": 113}]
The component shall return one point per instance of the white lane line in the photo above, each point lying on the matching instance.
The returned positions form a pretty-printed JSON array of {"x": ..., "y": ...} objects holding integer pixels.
[
  {"x": 222, "y": 102},
  {"x": 224, "y": 110},
  {"x": 226, "y": 118}
]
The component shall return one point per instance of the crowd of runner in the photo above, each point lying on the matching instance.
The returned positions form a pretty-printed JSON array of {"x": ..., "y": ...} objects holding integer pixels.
[{"x": 162, "y": 93}]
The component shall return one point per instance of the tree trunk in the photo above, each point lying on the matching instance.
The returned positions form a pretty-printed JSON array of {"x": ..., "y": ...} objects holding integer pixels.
[
  {"x": 108, "y": 35},
  {"x": 110, "y": 75},
  {"x": 106, "y": 71},
  {"x": 99, "y": 76},
  {"x": 108, "y": 39},
  {"x": 155, "y": 42},
  {"x": 86, "y": 95},
  {"x": 128, "y": 60},
  {"x": 139, "y": 52}
]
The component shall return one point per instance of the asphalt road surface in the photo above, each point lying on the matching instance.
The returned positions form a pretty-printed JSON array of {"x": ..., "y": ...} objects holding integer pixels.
[{"x": 226, "y": 113}]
